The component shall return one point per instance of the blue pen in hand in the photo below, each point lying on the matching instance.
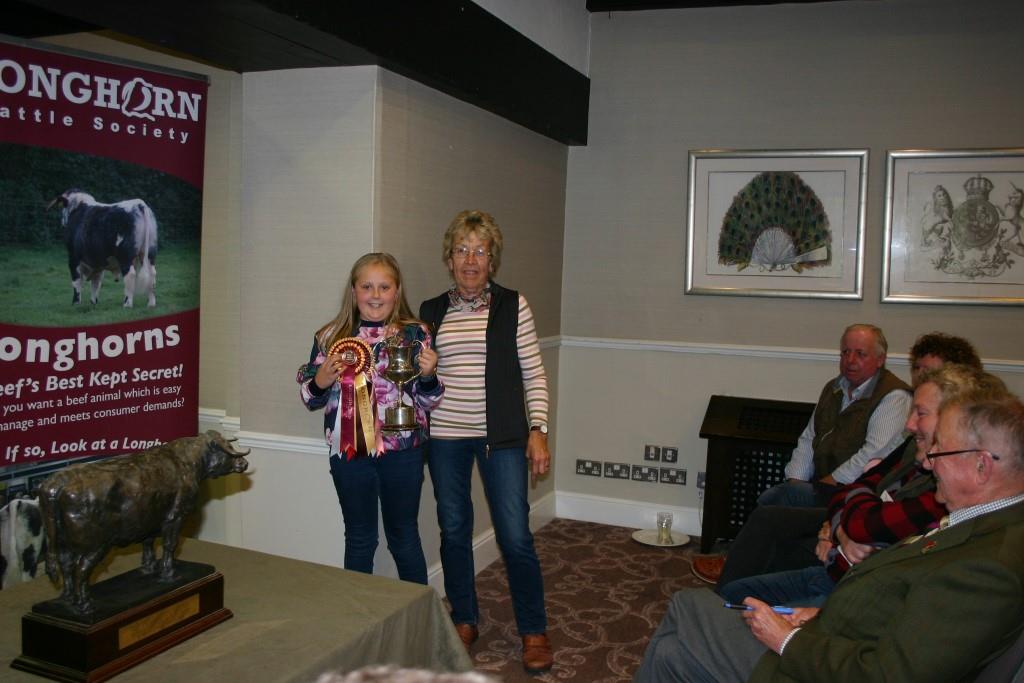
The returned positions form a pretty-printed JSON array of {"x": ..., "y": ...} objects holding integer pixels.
[{"x": 747, "y": 608}]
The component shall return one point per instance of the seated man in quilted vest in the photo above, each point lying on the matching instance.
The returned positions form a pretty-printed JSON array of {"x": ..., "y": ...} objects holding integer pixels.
[
  {"x": 858, "y": 419},
  {"x": 778, "y": 538}
]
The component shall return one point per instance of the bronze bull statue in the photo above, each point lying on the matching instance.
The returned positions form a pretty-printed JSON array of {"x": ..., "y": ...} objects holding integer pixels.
[{"x": 90, "y": 508}]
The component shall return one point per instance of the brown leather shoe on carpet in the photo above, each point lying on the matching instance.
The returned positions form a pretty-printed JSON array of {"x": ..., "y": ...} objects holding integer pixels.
[
  {"x": 707, "y": 567},
  {"x": 537, "y": 655},
  {"x": 468, "y": 633}
]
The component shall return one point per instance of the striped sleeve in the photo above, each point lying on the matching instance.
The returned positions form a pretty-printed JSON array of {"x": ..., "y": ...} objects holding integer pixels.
[{"x": 535, "y": 381}]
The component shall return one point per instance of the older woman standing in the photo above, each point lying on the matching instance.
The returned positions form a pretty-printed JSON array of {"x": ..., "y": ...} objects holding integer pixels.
[{"x": 494, "y": 412}]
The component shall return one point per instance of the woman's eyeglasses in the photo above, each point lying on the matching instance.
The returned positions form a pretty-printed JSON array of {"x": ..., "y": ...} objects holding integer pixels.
[{"x": 463, "y": 252}]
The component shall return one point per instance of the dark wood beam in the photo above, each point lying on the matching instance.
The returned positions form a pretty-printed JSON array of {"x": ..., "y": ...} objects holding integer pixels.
[{"x": 451, "y": 45}]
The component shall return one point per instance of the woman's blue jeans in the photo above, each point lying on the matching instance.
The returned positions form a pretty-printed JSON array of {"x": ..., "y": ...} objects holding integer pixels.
[
  {"x": 395, "y": 480},
  {"x": 504, "y": 473}
]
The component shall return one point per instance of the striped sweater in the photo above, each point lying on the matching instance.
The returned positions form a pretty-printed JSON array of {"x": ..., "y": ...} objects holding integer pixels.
[{"x": 460, "y": 346}]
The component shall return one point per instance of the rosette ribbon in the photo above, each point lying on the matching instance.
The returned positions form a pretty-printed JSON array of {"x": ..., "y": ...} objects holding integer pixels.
[{"x": 356, "y": 357}]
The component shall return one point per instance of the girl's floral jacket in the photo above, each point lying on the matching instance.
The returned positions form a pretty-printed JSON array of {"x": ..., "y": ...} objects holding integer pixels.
[{"x": 426, "y": 395}]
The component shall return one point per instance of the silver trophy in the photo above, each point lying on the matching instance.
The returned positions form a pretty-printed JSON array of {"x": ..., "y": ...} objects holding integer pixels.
[{"x": 400, "y": 370}]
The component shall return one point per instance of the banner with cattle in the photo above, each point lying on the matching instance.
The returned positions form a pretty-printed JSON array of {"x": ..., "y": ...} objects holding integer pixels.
[{"x": 101, "y": 170}]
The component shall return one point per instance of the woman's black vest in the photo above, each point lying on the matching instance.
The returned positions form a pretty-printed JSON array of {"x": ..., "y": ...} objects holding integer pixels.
[{"x": 507, "y": 425}]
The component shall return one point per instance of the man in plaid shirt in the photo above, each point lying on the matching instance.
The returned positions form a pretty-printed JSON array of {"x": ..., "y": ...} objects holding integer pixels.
[
  {"x": 778, "y": 538},
  {"x": 892, "y": 501}
]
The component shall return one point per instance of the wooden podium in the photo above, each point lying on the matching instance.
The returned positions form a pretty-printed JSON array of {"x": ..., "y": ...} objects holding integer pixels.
[{"x": 136, "y": 617}]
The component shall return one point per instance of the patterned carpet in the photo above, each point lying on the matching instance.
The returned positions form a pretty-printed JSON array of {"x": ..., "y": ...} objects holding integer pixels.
[{"x": 605, "y": 594}]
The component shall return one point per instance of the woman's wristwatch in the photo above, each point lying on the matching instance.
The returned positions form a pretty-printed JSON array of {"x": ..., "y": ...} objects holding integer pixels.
[{"x": 543, "y": 429}]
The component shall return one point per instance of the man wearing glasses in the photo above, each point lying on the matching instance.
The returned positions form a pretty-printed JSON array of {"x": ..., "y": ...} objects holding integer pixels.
[
  {"x": 894, "y": 500},
  {"x": 933, "y": 607}
]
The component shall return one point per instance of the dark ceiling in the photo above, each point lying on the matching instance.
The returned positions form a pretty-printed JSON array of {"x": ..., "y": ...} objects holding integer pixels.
[{"x": 452, "y": 45}]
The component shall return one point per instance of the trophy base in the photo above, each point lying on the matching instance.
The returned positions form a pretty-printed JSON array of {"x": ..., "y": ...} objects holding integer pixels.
[
  {"x": 68, "y": 647},
  {"x": 400, "y": 419}
]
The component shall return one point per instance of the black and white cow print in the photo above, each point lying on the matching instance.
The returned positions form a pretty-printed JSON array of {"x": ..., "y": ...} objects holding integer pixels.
[{"x": 22, "y": 542}]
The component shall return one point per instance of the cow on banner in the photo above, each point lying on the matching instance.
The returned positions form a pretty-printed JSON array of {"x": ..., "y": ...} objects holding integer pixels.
[
  {"x": 22, "y": 543},
  {"x": 117, "y": 237}
]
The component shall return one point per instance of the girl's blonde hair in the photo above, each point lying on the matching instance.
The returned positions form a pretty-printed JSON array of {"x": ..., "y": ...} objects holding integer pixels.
[{"x": 344, "y": 324}]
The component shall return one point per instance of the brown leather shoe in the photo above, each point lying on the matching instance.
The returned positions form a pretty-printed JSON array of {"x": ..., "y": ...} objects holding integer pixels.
[
  {"x": 468, "y": 633},
  {"x": 708, "y": 567},
  {"x": 536, "y": 653}
]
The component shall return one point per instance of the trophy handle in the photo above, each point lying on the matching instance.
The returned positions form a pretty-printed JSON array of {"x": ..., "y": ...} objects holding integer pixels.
[
  {"x": 418, "y": 371},
  {"x": 374, "y": 350}
]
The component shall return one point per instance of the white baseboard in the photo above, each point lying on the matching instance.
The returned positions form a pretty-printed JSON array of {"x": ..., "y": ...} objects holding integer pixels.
[
  {"x": 621, "y": 512},
  {"x": 212, "y": 418}
]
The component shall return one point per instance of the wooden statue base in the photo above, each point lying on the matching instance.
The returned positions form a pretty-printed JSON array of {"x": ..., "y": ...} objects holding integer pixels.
[{"x": 136, "y": 618}]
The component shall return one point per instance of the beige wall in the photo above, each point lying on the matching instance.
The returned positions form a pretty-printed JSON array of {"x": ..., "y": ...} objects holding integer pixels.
[
  {"x": 307, "y": 214},
  {"x": 876, "y": 75},
  {"x": 662, "y": 401},
  {"x": 336, "y": 162},
  {"x": 645, "y": 357},
  {"x": 439, "y": 156},
  {"x": 305, "y": 171},
  {"x": 369, "y": 161}
]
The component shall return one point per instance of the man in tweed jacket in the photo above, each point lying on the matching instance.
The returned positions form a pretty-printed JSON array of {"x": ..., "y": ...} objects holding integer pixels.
[{"x": 934, "y": 608}]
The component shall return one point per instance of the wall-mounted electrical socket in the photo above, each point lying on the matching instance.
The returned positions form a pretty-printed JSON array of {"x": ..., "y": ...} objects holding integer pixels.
[
  {"x": 669, "y": 454},
  {"x": 591, "y": 468},
  {"x": 700, "y": 480},
  {"x": 616, "y": 470},
  {"x": 671, "y": 475},
  {"x": 652, "y": 453},
  {"x": 644, "y": 473}
]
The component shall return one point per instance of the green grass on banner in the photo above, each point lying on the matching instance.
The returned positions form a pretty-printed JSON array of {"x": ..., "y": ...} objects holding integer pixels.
[{"x": 35, "y": 288}]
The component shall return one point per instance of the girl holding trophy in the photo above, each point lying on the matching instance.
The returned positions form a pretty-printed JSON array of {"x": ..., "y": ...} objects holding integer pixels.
[{"x": 363, "y": 363}]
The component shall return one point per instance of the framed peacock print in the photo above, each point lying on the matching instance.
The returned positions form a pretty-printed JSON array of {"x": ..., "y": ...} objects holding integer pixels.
[
  {"x": 954, "y": 233},
  {"x": 784, "y": 223}
]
